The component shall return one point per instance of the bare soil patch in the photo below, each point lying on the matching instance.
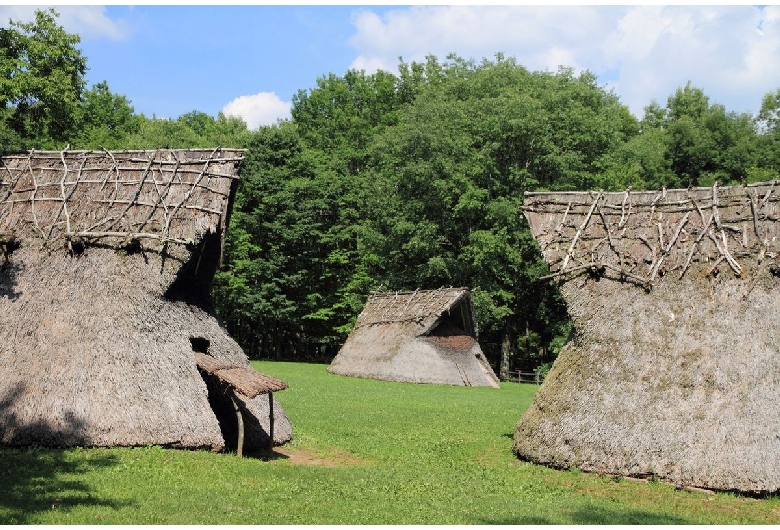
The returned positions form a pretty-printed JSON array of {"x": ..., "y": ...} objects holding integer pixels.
[{"x": 305, "y": 457}]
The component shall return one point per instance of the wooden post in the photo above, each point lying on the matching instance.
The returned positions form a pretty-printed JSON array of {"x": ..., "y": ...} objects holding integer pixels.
[
  {"x": 270, "y": 424},
  {"x": 240, "y": 421}
]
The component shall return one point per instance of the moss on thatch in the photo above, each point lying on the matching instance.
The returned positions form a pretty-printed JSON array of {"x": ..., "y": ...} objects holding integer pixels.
[
  {"x": 107, "y": 262},
  {"x": 672, "y": 368},
  {"x": 416, "y": 337}
]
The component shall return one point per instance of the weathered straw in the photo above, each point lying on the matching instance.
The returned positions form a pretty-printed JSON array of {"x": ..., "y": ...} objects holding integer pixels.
[{"x": 674, "y": 357}]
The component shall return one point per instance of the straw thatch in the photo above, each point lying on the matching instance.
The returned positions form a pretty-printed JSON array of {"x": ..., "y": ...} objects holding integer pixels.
[
  {"x": 672, "y": 369},
  {"x": 106, "y": 264},
  {"x": 416, "y": 337},
  {"x": 244, "y": 380}
]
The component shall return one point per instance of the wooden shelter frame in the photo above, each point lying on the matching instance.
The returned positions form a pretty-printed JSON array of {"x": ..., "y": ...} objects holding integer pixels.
[
  {"x": 599, "y": 232},
  {"x": 237, "y": 379},
  {"x": 123, "y": 196}
]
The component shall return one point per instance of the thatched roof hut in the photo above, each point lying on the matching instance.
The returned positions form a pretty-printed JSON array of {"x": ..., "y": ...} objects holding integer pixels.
[
  {"x": 416, "y": 337},
  {"x": 672, "y": 370},
  {"x": 106, "y": 264}
]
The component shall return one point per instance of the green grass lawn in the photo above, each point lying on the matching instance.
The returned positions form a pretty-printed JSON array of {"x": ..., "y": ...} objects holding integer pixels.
[{"x": 364, "y": 452}]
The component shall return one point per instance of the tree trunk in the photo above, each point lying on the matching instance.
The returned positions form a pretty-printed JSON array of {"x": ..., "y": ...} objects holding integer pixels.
[
  {"x": 507, "y": 339},
  {"x": 277, "y": 346}
]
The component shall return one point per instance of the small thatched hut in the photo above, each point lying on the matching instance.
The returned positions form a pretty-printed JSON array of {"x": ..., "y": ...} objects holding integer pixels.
[
  {"x": 673, "y": 368},
  {"x": 106, "y": 264},
  {"x": 416, "y": 337}
]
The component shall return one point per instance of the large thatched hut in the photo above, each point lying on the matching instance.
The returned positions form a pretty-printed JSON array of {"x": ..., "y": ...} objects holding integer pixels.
[
  {"x": 106, "y": 264},
  {"x": 672, "y": 371},
  {"x": 416, "y": 337}
]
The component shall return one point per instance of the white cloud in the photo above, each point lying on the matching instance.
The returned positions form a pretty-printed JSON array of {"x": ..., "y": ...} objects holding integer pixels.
[
  {"x": 86, "y": 21},
  {"x": 537, "y": 36},
  {"x": 373, "y": 64},
  {"x": 643, "y": 52},
  {"x": 264, "y": 108}
]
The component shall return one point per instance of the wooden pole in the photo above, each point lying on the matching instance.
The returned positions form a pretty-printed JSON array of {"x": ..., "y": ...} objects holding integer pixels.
[
  {"x": 240, "y": 421},
  {"x": 270, "y": 424}
]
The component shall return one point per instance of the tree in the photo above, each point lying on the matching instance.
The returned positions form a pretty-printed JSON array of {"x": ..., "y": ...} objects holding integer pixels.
[
  {"x": 341, "y": 114},
  {"x": 701, "y": 142},
  {"x": 191, "y": 129},
  {"x": 769, "y": 141},
  {"x": 276, "y": 258},
  {"x": 301, "y": 203},
  {"x": 449, "y": 178},
  {"x": 41, "y": 80},
  {"x": 338, "y": 122},
  {"x": 105, "y": 119},
  {"x": 639, "y": 163}
]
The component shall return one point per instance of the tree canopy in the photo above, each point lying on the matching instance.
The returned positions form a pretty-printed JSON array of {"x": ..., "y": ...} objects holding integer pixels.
[{"x": 41, "y": 80}]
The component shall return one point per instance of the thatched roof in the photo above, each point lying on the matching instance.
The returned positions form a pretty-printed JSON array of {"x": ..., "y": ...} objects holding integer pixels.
[
  {"x": 419, "y": 337},
  {"x": 423, "y": 307},
  {"x": 675, "y": 351},
  {"x": 244, "y": 380},
  {"x": 106, "y": 263}
]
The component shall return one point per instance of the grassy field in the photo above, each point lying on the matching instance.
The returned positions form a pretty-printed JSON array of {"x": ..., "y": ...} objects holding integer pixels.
[{"x": 364, "y": 452}]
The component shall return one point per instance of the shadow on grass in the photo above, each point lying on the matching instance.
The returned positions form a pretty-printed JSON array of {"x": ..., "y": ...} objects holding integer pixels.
[
  {"x": 262, "y": 454},
  {"x": 600, "y": 516},
  {"x": 37, "y": 479}
]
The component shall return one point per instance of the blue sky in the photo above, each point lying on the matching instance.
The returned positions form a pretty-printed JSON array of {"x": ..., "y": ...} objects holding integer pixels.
[{"x": 249, "y": 60}]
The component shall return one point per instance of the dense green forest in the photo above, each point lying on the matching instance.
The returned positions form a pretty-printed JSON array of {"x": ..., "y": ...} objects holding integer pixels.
[{"x": 396, "y": 181}]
